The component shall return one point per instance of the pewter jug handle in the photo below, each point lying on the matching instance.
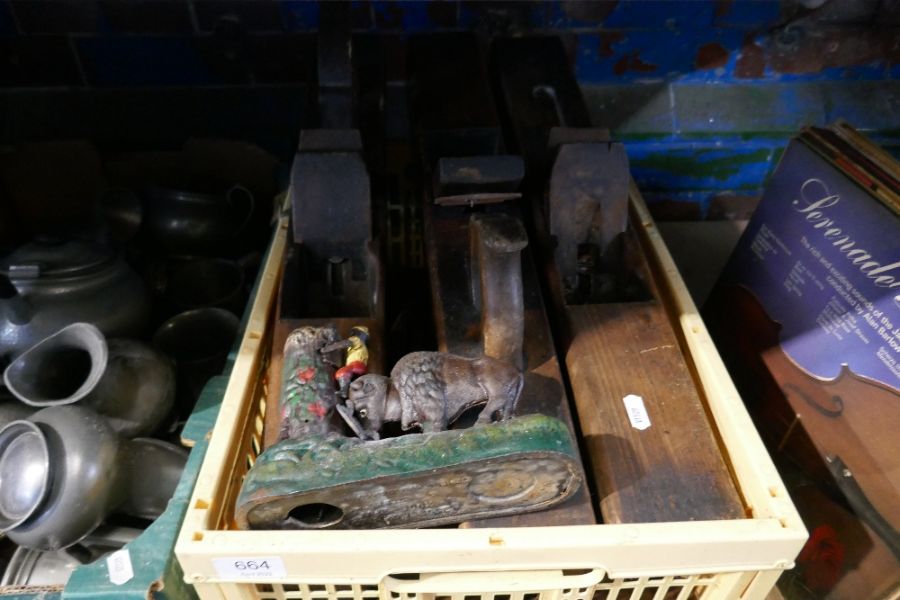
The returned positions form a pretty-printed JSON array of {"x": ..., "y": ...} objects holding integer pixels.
[
  {"x": 251, "y": 205},
  {"x": 123, "y": 211}
]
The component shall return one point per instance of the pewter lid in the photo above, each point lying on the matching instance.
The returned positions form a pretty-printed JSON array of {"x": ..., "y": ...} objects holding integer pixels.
[
  {"x": 51, "y": 258},
  {"x": 24, "y": 472}
]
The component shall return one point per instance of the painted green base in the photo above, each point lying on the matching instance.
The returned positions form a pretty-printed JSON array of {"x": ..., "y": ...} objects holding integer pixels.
[{"x": 440, "y": 478}]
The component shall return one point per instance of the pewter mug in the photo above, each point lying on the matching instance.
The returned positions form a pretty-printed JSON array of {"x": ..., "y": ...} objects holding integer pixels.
[
  {"x": 184, "y": 223},
  {"x": 206, "y": 283},
  {"x": 128, "y": 382},
  {"x": 46, "y": 285},
  {"x": 198, "y": 341},
  {"x": 64, "y": 470}
]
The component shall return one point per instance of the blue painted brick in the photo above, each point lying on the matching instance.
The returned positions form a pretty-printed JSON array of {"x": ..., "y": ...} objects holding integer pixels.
[
  {"x": 629, "y": 109},
  {"x": 715, "y": 54},
  {"x": 747, "y": 108},
  {"x": 502, "y": 17},
  {"x": 414, "y": 17},
  {"x": 755, "y": 14},
  {"x": 869, "y": 72},
  {"x": 655, "y": 14},
  {"x": 388, "y": 16},
  {"x": 306, "y": 15},
  {"x": 299, "y": 15},
  {"x": 696, "y": 165},
  {"x": 634, "y": 55},
  {"x": 893, "y": 71},
  {"x": 578, "y": 14}
]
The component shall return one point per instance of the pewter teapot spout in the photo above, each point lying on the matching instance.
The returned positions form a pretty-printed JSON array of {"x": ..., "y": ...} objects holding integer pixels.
[{"x": 13, "y": 308}]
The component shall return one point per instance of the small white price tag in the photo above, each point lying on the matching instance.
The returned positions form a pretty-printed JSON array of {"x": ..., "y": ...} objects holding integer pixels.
[
  {"x": 257, "y": 567},
  {"x": 637, "y": 412},
  {"x": 119, "y": 565}
]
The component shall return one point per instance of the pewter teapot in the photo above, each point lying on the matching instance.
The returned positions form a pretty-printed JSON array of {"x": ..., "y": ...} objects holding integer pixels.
[{"x": 46, "y": 285}]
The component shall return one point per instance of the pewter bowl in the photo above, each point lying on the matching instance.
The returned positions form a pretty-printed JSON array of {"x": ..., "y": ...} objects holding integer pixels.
[
  {"x": 65, "y": 469},
  {"x": 24, "y": 472}
]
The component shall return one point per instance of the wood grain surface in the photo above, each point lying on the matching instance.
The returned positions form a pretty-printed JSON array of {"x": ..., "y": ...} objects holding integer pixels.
[{"x": 670, "y": 471}]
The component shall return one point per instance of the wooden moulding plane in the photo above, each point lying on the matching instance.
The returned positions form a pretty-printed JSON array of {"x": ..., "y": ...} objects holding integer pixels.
[
  {"x": 485, "y": 289},
  {"x": 335, "y": 275},
  {"x": 487, "y": 299},
  {"x": 654, "y": 454}
]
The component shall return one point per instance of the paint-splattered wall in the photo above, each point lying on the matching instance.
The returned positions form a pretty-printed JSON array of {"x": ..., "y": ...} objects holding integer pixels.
[{"x": 705, "y": 93}]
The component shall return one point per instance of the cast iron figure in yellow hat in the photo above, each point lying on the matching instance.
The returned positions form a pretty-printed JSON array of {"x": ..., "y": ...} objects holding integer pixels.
[{"x": 356, "y": 360}]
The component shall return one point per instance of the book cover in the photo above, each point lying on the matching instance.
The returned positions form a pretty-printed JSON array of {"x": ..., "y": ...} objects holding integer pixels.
[
  {"x": 807, "y": 316},
  {"x": 823, "y": 259}
]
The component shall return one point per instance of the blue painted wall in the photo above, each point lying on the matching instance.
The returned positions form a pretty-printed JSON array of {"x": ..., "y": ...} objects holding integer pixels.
[{"x": 705, "y": 93}]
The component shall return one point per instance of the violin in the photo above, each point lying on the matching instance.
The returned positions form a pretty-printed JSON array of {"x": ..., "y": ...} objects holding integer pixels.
[{"x": 843, "y": 432}]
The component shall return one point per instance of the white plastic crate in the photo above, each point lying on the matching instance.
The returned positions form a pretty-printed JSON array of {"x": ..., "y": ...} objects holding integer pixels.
[{"x": 739, "y": 558}]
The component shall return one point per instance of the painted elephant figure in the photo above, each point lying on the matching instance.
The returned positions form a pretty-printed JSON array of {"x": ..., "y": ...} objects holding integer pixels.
[{"x": 432, "y": 389}]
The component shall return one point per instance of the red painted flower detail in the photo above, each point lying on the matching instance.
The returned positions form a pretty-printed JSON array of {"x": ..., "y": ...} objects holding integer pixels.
[
  {"x": 317, "y": 409},
  {"x": 306, "y": 374}
]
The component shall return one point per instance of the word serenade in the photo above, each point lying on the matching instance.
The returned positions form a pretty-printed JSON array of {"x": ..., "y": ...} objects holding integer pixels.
[{"x": 815, "y": 198}]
